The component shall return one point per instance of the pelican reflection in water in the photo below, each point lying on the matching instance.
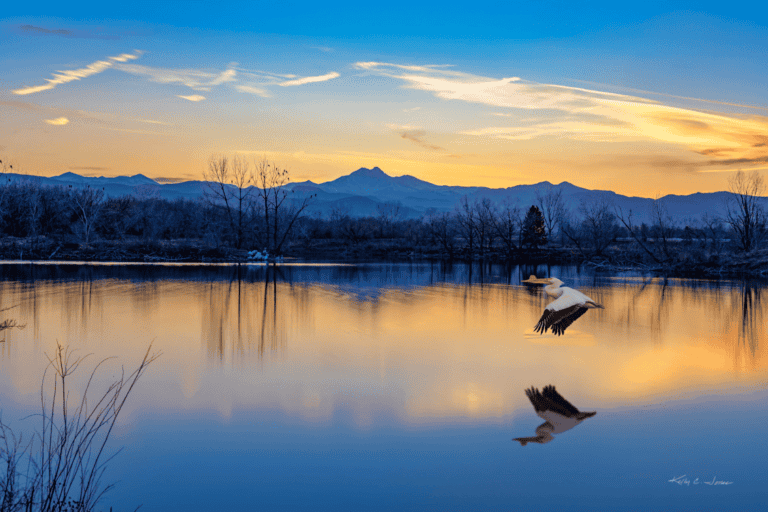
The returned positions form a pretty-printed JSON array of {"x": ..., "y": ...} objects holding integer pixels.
[
  {"x": 559, "y": 413},
  {"x": 567, "y": 307}
]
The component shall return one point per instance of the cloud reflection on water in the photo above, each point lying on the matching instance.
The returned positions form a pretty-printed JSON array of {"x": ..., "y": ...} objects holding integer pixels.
[{"x": 413, "y": 344}]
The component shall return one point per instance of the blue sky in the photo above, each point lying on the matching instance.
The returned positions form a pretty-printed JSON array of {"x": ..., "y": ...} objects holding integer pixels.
[{"x": 497, "y": 95}]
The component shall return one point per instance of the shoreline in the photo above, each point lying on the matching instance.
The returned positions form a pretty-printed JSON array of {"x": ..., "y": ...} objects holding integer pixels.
[{"x": 617, "y": 259}]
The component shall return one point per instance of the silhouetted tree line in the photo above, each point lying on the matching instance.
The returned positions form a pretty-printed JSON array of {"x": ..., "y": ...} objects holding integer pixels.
[
  {"x": 247, "y": 206},
  {"x": 30, "y": 210},
  {"x": 232, "y": 212}
]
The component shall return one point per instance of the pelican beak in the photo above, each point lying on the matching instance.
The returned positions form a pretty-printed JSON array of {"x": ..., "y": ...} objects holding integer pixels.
[{"x": 536, "y": 280}]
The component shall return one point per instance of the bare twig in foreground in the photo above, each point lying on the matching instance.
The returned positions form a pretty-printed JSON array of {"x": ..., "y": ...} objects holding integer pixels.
[{"x": 60, "y": 467}]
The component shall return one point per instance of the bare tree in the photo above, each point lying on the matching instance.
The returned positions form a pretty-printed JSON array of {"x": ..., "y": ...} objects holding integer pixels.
[
  {"x": 5, "y": 167},
  {"x": 389, "y": 213},
  {"x": 635, "y": 232},
  {"x": 713, "y": 232},
  {"x": 745, "y": 212},
  {"x": 507, "y": 224},
  {"x": 442, "y": 229},
  {"x": 118, "y": 214},
  {"x": 228, "y": 187},
  {"x": 34, "y": 206},
  {"x": 279, "y": 216},
  {"x": 358, "y": 229},
  {"x": 467, "y": 224},
  {"x": 597, "y": 228},
  {"x": 573, "y": 230},
  {"x": 552, "y": 207},
  {"x": 145, "y": 192},
  {"x": 337, "y": 217},
  {"x": 485, "y": 214},
  {"x": 87, "y": 204},
  {"x": 663, "y": 227}
]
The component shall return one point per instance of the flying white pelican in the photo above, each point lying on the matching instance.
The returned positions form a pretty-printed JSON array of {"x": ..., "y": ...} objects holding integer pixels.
[
  {"x": 567, "y": 307},
  {"x": 558, "y": 412}
]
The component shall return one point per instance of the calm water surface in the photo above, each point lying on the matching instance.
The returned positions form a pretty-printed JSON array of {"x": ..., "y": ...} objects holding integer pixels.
[{"x": 381, "y": 387}]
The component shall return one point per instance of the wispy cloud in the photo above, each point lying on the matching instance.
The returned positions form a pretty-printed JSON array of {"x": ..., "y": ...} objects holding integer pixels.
[
  {"x": 512, "y": 92},
  {"x": 417, "y": 137},
  {"x": 264, "y": 75},
  {"x": 125, "y": 57},
  {"x": 414, "y": 134},
  {"x": 430, "y": 68},
  {"x": 258, "y": 82},
  {"x": 59, "y": 121},
  {"x": 152, "y": 121},
  {"x": 735, "y": 170},
  {"x": 105, "y": 120},
  {"x": 101, "y": 169},
  {"x": 675, "y": 96},
  {"x": 402, "y": 127},
  {"x": 223, "y": 77},
  {"x": 80, "y": 34},
  {"x": 539, "y": 110},
  {"x": 193, "y": 97},
  {"x": 310, "y": 79},
  {"x": 23, "y": 105},
  {"x": 250, "y": 89},
  {"x": 139, "y": 132},
  {"x": 40, "y": 30},
  {"x": 324, "y": 49},
  {"x": 195, "y": 79},
  {"x": 66, "y": 76}
]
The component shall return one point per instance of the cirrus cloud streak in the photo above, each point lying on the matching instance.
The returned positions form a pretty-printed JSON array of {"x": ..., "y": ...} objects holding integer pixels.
[
  {"x": 537, "y": 110},
  {"x": 195, "y": 79},
  {"x": 59, "y": 121},
  {"x": 70, "y": 75},
  {"x": 310, "y": 79}
]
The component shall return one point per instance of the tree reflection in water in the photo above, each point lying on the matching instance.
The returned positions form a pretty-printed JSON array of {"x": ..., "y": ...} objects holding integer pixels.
[
  {"x": 8, "y": 323},
  {"x": 256, "y": 309},
  {"x": 752, "y": 325},
  {"x": 244, "y": 314}
]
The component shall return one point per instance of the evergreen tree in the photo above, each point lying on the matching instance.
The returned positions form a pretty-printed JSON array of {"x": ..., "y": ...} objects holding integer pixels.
[{"x": 534, "y": 233}]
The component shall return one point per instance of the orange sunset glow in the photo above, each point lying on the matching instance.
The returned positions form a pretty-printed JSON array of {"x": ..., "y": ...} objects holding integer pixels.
[
  {"x": 126, "y": 105},
  {"x": 394, "y": 256},
  {"x": 650, "y": 341}
]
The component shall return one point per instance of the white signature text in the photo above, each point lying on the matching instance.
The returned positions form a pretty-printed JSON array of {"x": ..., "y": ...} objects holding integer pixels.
[{"x": 685, "y": 480}]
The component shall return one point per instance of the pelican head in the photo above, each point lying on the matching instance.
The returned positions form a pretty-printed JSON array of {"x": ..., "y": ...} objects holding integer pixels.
[{"x": 543, "y": 280}]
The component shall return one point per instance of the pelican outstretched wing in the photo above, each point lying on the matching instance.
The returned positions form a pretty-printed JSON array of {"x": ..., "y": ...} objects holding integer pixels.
[
  {"x": 560, "y": 414},
  {"x": 559, "y": 319},
  {"x": 542, "y": 403},
  {"x": 551, "y": 394}
]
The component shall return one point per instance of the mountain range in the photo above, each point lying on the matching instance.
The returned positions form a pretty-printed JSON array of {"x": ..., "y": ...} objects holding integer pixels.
[{"x": 364, "y": 191}]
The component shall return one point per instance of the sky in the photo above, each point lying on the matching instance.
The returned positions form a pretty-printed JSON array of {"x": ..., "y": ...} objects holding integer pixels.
[{"x": 646, "y": 100}]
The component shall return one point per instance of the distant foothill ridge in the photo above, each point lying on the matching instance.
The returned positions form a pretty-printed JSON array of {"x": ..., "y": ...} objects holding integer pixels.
[{"x": 365, "y": 191}]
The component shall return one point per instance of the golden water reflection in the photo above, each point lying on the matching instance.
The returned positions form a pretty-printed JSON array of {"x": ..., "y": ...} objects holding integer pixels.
[{"x": 434, "y": 352}]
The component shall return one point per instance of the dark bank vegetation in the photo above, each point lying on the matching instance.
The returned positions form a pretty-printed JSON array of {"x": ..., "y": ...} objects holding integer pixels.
[
  {"x": 247, "y": 207},
  {"x": 57, "y": 462}
]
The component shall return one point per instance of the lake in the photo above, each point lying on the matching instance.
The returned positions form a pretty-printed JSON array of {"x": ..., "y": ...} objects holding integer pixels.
[{"x": 401, "y": 386}]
